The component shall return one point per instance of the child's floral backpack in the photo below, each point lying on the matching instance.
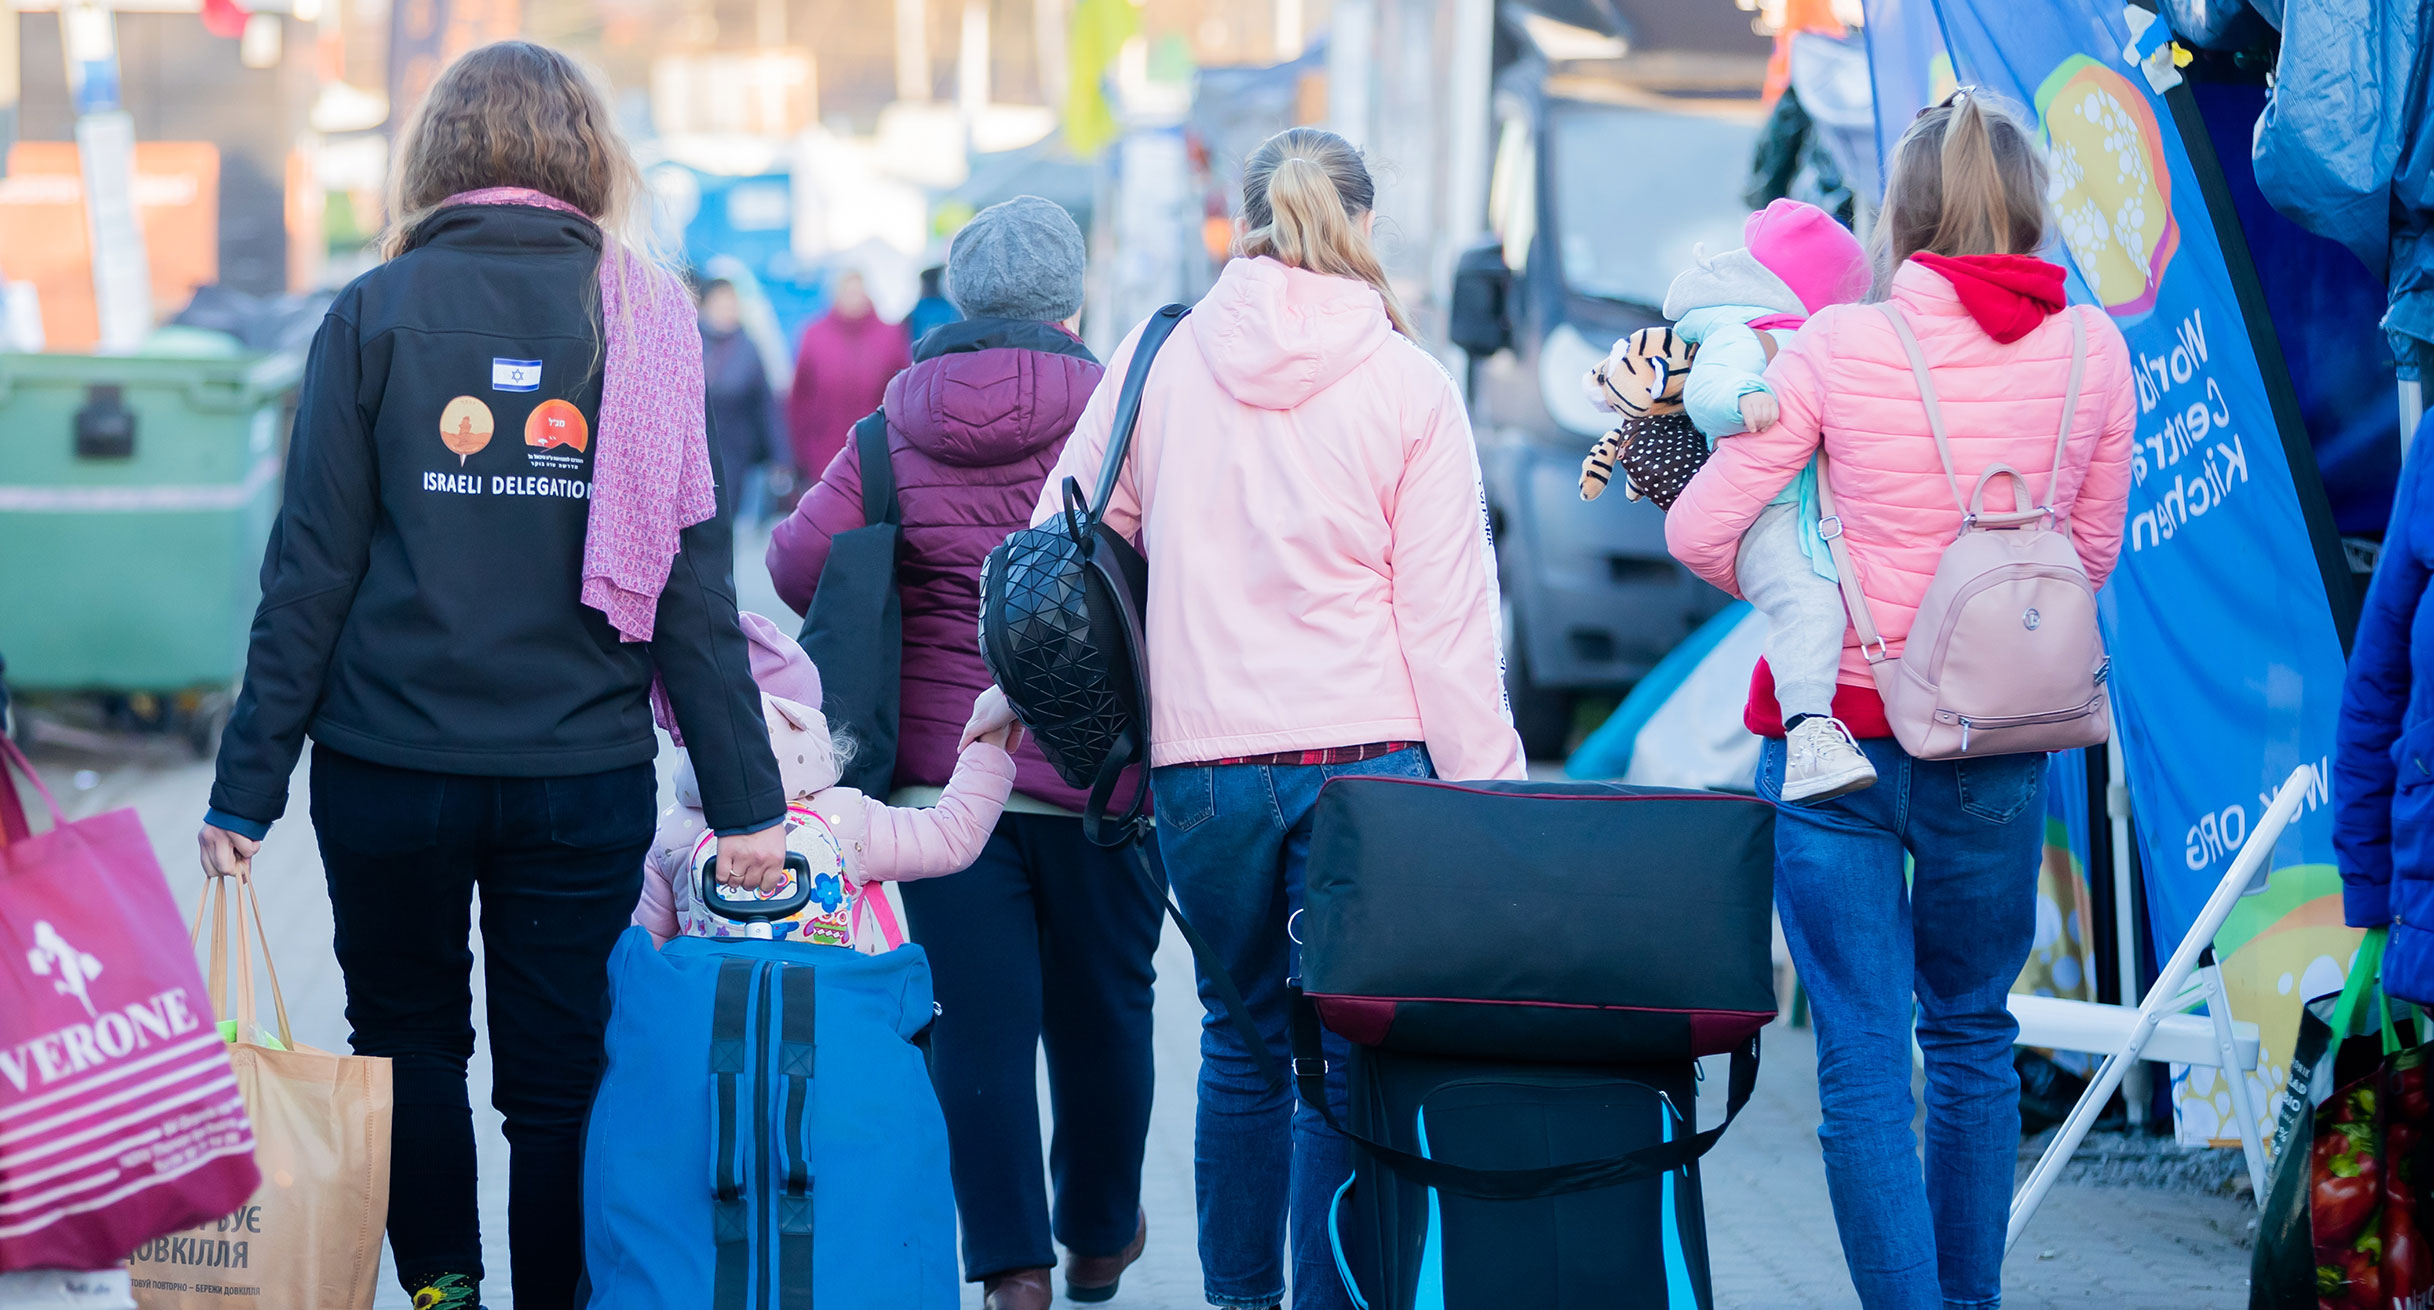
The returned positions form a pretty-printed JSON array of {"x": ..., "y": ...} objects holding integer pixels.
[{"x": 821, "y": 900}]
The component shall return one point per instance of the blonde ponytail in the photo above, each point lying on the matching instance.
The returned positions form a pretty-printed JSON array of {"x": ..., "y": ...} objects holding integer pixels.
[
  {"x": 1303, "y": 194},
  {"x": 1967, "y": 179}
]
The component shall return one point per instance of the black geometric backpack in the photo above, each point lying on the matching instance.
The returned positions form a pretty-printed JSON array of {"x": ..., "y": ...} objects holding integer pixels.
[{"x": 1061, "y": 608}]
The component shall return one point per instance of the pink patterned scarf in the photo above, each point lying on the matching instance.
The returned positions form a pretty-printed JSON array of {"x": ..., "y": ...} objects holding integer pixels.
[{"x": 651, "y": 455}]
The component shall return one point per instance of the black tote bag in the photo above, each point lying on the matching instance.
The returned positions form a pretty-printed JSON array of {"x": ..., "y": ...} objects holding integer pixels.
[{"x": 855, "y": 631}]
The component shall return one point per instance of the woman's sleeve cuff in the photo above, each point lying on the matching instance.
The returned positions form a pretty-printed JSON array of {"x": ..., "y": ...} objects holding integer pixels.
[{"x": 243, "y": 827}]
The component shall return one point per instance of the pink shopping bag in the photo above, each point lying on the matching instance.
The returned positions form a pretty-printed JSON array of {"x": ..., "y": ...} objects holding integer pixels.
[{"x": 120, "y": 1118}]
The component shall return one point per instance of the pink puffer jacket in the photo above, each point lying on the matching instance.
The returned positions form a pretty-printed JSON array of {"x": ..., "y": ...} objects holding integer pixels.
[
  {"x": 1844, "y": 381},
  {"x": 1305, "y": 485}
]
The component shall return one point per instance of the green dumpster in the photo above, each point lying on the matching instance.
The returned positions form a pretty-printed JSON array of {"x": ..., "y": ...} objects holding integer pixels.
[{"x": 136, "y": 494}]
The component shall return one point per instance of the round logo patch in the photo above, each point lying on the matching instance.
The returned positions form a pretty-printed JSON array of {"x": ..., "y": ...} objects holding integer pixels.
[
  {"x": 557, "y": 423},
  {"x": 2031, "y": 619},
  {"x": 465, "y": 427}
]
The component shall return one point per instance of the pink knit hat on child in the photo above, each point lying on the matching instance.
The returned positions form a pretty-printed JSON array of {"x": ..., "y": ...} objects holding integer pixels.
[
  {"x": 779, "y": 667},
  {"x": 1815, "y": 256}
]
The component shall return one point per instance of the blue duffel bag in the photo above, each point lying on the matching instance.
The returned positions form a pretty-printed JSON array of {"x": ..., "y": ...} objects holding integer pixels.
[{"x": 765, "y": 1136}]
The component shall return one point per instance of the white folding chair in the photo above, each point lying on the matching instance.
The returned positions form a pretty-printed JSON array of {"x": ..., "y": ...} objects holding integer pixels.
[{"x": 2160, "y": 1028}]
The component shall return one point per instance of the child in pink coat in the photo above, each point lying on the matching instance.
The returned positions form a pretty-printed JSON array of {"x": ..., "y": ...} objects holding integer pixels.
[{"x": 852, "y": 841}]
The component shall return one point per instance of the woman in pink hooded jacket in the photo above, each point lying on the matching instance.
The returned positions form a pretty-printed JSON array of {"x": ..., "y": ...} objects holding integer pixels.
[
  {"x": 1964, "y": 210},
  {"x": 1322, "y": 601}
]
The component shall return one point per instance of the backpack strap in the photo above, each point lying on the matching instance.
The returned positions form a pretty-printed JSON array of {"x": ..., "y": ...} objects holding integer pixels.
[
  {"x": 1083, "y": 520},
  {"x": 1310, "y": 1075},
  {"x": 2070, "y": 401},
  {"x": 878, "y": 474},
  {"x": 1846, "y": 573},
  {"x": 1926, "y": 395}
]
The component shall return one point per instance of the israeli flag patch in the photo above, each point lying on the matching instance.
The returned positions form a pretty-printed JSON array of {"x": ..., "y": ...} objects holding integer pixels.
[{"x": 515, "y": 375}]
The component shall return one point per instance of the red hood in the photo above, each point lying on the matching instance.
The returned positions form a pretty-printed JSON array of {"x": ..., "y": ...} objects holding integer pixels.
[{"x": 2009, "y": 295}]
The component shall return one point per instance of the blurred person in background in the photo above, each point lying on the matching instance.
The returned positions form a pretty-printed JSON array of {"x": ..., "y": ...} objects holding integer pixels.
[
  {"x": 743, "y": 409},
  {"x": 1047, "y": 935},
  {"x": 934, "y": 309},
  {"x": 840, "y": 372}
]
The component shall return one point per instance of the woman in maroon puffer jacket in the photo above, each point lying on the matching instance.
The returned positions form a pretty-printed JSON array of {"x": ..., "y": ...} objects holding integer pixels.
[{"x": 1048, "y": 935}]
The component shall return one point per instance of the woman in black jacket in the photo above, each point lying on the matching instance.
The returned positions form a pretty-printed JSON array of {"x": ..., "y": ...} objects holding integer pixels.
[{"x": 465, "y": 601}]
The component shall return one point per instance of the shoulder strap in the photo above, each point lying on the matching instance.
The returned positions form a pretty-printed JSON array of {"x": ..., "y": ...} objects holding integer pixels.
[
  {"x": 1083, "y": 521},
  {"x": 1310, "y": 1073},
  {"x": 878, "y": 474},
  {"x": 2070, "y": 403},
  {"x": 1846, "y": 573},
  {"x": 1926, "y": 395}
]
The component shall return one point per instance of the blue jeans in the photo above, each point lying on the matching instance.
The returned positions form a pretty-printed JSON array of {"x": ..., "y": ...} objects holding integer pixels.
[
  {"x": 1236, "y": 838},
  {"x": 1947, "y": 947}
]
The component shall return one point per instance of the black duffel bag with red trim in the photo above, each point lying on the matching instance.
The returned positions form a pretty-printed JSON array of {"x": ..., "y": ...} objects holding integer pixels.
[
  {"x": 1558, "y": 921},
  {"x": 1528, "y": 972}
]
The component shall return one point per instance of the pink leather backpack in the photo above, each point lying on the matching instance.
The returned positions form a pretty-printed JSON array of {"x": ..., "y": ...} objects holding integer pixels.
[{"x": 2004, "y": 657}]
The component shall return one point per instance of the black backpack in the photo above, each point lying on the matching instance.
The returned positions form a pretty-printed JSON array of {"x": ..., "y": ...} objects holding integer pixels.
[
  {"x": 1061, "y": 608},
  {"x": 1060, "y": 629},
  {"x": 855, "y": 631}
]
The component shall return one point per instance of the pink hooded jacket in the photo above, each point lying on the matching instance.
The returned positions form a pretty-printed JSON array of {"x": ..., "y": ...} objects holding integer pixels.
[
  {"x": 1304, "y": 483},
  {"x": 1844, "y": 382}
]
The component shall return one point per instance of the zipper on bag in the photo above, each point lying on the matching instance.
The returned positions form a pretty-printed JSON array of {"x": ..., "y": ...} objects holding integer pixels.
[{"x": 2019, "y": 720}]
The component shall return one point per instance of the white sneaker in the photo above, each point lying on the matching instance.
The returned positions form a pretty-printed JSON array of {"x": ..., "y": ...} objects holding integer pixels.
[{"x": 1824, "y": 762}]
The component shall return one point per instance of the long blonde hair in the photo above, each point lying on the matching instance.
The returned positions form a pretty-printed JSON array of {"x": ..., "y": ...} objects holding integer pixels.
[
  {"x": 1303, "y": 194},
  {"x": 1967, "y": 178},
  {"x": 516, "y": 114}
]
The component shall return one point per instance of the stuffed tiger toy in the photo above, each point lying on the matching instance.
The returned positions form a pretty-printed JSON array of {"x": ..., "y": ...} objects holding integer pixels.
[{"x": 1642, "y": 380}]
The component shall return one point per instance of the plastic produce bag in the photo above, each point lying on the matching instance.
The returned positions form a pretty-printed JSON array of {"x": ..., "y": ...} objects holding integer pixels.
[{"x": 2353, "y": 1162}]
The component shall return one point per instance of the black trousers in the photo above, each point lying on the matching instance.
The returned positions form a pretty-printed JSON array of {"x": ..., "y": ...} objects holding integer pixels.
[
  {"x": 1047, "y": 938},
  {"x": 558, "y": 862}
]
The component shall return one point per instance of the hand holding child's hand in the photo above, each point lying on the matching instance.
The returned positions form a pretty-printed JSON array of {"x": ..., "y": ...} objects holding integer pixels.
[
  {"x": 993, "y": 721},
  {"x": 1759, "y": 411}
]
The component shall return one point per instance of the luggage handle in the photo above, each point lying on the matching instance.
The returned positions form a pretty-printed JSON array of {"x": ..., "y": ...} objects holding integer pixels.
[
  {"x": 1310, "y": 1072},
  {"x": 754, "y": 908},
  {"x": 213, "y": 908}
]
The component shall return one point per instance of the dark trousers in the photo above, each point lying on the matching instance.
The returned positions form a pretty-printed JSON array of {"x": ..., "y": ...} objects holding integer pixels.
[
  {"x": 1047, "y": 938},
  {"x": 558, "y": 862}
]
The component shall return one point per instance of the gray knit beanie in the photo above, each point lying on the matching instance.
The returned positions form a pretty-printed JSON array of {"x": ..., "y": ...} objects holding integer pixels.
[{"x": 1021, "y": 259}]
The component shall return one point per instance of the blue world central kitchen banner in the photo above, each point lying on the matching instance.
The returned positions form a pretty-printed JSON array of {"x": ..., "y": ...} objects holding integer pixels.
[{"x": 2227, "y": 662}]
